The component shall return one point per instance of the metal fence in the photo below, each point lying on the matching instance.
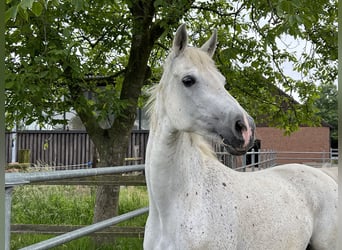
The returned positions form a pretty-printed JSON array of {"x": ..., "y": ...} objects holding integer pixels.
[
  {"x": 260, "y": 159},
  {"x": 334, "y": 154},
  {"x": 309, "y": 158},
  {"x": 16, "y": 179}
]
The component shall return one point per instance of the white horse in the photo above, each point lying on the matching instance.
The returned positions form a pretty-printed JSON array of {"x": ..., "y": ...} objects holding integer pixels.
[{"x": 198, "y": 203}]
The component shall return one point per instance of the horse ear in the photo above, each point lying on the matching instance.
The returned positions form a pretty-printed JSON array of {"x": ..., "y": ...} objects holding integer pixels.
[
  {"x": 180, "y": 42},
  {"x": 210, "y": 45}
]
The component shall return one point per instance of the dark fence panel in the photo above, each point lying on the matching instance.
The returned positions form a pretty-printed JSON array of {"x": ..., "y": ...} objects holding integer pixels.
[
  {"x": 137, "y": 147},
  {"x": 67, "y": 148},
  {"x": 8, "y": 147}
]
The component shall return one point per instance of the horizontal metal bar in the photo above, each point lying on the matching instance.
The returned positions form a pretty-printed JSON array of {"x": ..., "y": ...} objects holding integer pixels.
[
  {"x": 294, "y": 152},
  {"x": 301, "y": 158},
  {"x": 250, "y": 153},
  {"x": 24, "y": 178},
  {"x": 61, "y": 239}
]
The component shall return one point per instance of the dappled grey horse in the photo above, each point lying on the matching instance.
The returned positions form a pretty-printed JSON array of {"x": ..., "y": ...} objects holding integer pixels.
[{"x": 198, "y": 203}]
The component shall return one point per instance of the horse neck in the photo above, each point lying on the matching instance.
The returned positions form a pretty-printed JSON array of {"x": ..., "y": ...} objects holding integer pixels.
[{"x": 172, "y": 159}]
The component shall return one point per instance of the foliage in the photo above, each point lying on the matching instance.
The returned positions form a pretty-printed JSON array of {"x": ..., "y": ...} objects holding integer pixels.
[
  {"x": 70, "y": 205},
  {"x": 327, "y": 107},
  {"x": 50, "y": 53},
  {"x": 53, "y": 47},
  {"x": 96, "y": 56}
]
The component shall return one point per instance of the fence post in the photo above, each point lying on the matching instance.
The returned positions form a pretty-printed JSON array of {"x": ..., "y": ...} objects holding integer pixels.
[
  {"x": 272, "y": 157},
  {"x": 253, "y": 159},
  {"x": 8, "y": 205},
  {"x": 244, "y": 162},
  {"x": 233, "y": 161}
]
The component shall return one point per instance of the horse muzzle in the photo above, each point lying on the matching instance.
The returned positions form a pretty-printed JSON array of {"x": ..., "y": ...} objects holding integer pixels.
[{"x": 240, "y": 137}]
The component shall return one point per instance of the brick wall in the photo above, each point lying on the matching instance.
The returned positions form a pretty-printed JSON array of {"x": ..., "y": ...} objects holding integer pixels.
[{"x": 306, "y": 139}]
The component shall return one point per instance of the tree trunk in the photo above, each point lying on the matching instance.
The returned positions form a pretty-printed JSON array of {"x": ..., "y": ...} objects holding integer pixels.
[
  {"x": 106, "y": 206},
  {"x": 24, "y": 156},
  {"x": 111, "y": 147},
  {"x": 113, "y": 153}
]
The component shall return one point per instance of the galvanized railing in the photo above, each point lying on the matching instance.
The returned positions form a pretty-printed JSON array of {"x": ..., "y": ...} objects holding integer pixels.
[
  {"x": 334, "y": 154},
  {"x": 15, "y": 179},
  {"x": 306, "y": 157},
  {"x": 251, "y": 161}
]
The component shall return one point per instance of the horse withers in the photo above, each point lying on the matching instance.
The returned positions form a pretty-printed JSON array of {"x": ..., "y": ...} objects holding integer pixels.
[{"x": 195, "y": 202}]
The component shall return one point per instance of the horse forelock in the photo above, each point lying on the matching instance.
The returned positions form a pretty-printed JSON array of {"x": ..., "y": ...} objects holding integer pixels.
[{"x": 195, "y": 57}]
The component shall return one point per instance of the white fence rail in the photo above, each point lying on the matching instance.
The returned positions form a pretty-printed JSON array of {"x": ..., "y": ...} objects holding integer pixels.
[
  {"x": 269, "y": 158},
  {"x": 308, "y": 157}
]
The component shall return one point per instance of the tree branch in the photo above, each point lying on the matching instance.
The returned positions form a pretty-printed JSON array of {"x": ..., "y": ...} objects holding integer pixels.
[{"x": 216, "y": 11}]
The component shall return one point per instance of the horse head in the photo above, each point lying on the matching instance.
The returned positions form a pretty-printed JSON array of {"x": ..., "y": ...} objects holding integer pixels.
[{"x": 195, "y": 99}]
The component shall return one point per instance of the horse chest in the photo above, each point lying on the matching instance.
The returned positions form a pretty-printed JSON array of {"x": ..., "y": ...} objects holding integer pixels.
[{"x": 197, "y": 218}]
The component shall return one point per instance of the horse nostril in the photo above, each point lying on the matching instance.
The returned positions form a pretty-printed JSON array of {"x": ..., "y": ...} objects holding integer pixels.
[{"x": 240, "y": 126}]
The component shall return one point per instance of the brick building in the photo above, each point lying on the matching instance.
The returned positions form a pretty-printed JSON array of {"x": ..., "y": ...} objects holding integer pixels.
[{"x": 312, "y": 142}]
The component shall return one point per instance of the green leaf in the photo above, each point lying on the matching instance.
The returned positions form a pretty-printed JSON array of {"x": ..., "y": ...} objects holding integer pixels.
[
  {"x": 11, "y": 13},
  {"x": 286, "y": 6},
  {"x": 43, "y": 74},
  {"x": 26, "y": 4},
  {"x": 9, "y": 85},
  {"x": 37, "y": 8},
  {"x": 158, "y": 3},
  {"x": 79, "y": 4},
  {"x": 23, "y": 13},
  {"x": 255, "y": 64}
]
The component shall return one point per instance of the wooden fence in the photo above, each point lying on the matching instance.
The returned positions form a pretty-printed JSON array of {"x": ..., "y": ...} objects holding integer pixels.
[{"x": 67, "y": 148}]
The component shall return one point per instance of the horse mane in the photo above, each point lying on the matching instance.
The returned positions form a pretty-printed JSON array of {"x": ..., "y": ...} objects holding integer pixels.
[
  {"x": 151, "y": 103},
  {"x": 203, "y": 145},
  {"x": 200, "y": 60}
]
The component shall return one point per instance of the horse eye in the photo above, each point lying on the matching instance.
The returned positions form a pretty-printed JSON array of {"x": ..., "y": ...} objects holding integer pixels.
[{"x": 188, "y": 81}]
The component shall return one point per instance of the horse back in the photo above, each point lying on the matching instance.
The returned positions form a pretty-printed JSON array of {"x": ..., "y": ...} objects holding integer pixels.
[{"x": 332, "y": 172}]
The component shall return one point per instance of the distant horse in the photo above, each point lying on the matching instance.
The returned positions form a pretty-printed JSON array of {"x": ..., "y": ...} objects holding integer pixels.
[{"x": 198, "y": 203}]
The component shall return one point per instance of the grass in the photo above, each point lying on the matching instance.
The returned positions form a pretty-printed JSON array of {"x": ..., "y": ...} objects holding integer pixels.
[{"x": 70, "y": 205}]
